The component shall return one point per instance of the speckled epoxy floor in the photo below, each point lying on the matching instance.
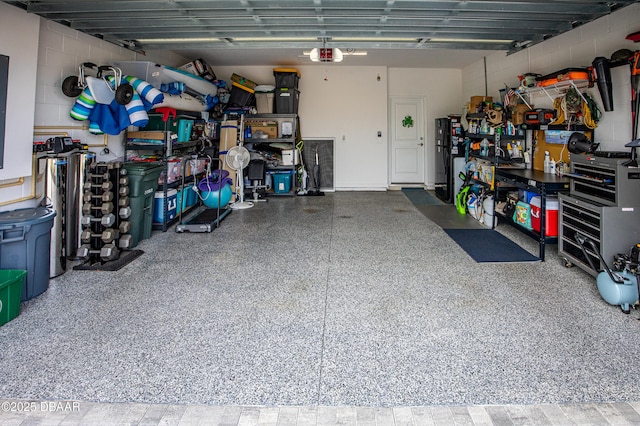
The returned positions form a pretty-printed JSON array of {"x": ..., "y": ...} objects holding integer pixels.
[{"x": 348, "y": 299}]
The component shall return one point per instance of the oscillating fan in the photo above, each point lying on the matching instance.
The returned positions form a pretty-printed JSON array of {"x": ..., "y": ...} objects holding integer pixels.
[{"x": 238, "y": 158}]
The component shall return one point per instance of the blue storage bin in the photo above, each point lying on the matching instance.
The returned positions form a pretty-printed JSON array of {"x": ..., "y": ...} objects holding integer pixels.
[
  {"x": 25, "y": 240},
  {"x": 282, "y": 182},
  {"x": 184, "y": 130}
]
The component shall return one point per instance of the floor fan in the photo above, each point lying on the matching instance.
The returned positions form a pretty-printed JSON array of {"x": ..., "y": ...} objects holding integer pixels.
[{"x": 238, "y": 158}]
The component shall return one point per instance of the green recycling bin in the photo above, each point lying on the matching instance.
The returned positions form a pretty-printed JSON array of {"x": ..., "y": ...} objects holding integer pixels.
[
  {"x": 143, "y": 182},
  {"x": 11, "y": 282}
]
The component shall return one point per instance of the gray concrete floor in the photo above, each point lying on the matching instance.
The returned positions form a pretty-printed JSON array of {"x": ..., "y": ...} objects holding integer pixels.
[{"x": 352, "y": 308}]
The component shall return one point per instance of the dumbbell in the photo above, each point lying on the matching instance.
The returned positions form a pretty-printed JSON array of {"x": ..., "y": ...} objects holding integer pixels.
[
  {"x": 125, "y": 242},
  {"x": 105, "y": 186},
  {"x": 125, "y": 227},
  {"x": 105, "y": 196},
  {"x": 107, "y": 252},
  {"x": 105, "y": 208},
  {"x": 102, "y": 176},
  {"x": 107, "y": 220},
  {"x": 108, "y": 235},
  {"x": 123, "y": 180},
  {"x": 123, "y": 191},
  {"x": 123, "y": 201},
  {"x": 124, "y": 212}
]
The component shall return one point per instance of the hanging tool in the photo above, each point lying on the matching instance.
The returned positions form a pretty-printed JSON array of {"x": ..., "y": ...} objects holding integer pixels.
[{"x": 635, "y": 87}]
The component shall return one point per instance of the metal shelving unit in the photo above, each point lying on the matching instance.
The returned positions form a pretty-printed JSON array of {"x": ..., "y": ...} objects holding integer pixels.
[
  {"x": 168, "y": 149},
  {"x": 292, "y": 140}
]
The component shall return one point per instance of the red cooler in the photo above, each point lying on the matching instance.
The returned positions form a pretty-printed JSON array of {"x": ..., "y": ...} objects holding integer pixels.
[{"x": 551, "y": 223}]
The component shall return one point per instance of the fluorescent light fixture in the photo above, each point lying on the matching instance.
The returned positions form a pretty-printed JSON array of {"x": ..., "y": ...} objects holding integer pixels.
[
  {"x": 466, "y": 40},
  {"x": 375, "y": 39},
  {"x": 180, "y": 40},
  {"x": 270, "y": 39},
  {"x": 223, "y": 39}
]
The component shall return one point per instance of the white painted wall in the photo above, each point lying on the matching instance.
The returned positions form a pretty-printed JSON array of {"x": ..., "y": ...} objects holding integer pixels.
[
  {"x": 576, "y": 48},
  {"x": 42, "y": 54}
]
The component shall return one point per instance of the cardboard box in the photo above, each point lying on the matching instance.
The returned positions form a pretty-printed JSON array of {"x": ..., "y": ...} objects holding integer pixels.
[
  {"x": 268, "y": 127},
  {"x": 148, "y": 136},
  {"x": 517, "y": 113},
  {"x": 243, "y": 81},
  {"x": 200, "y": 68},
  {"x": 476, "y": 101}
]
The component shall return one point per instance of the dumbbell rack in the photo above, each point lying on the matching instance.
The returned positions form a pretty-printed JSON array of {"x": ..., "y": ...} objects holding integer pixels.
[{"x": 105, "y": 210}]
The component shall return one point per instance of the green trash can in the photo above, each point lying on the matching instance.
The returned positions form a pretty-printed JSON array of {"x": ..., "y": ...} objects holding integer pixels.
[
  {"x": 143, "y": 182},
  {"x": 11, "y": 281}
]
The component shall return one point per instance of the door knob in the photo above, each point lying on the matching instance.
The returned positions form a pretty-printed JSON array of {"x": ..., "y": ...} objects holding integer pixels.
[{"x": 421, "y": 144}]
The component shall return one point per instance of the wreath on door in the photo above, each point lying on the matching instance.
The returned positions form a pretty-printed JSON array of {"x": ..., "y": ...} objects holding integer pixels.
[{"x": 407, "y": 121}]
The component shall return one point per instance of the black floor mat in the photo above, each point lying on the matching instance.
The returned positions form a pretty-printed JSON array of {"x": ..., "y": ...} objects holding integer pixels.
[{"x": 113, "y": 265}]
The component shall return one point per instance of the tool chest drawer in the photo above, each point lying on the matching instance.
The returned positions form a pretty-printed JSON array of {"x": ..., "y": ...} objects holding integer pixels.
[{"x": 613, "y": 230}]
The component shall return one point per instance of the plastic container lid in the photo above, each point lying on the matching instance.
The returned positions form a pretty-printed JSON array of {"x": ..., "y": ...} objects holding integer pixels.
[
  {"x": 142, "y": 168},
  {"x": 29, "y": 216},
  {"x": 552, "y": 203},
  {"x": 265, "y": 88},
  {"x": 287, "y": 70},
  {"x": 245, "y": 88},
  {"x": 170, "y": 193}
]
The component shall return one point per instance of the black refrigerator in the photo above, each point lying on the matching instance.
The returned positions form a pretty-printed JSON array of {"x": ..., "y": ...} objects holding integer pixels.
[{"x": 448, "y": 147}]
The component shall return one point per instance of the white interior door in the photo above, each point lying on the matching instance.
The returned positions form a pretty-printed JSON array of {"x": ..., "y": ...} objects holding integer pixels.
[{"x": 407, "y": 140}]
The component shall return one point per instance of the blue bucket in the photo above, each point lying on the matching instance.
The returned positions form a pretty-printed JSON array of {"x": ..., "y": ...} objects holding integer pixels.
[{"x": 215, "y": 189}]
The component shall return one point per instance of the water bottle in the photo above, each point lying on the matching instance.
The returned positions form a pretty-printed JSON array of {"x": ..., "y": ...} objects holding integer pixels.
[
  {"x": 547, "y": 162},
  {"x": 247, "y": 133}
]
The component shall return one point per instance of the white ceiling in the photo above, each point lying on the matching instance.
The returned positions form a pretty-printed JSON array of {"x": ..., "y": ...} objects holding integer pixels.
[
  {"x": 403, "y": 58},
  {"x": 402, "y": 33}
]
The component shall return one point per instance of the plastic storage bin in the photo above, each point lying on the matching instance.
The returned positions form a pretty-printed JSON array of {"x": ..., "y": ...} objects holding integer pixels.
[
  {"x": 184, "y": 130},
  {"x": 286, "y": 78},
  {"x": 158, "y": 205},
  {"x": 25, "y": 240},
  {"x": 287, "y": 101},
  {"x": 551, "y": 219},
  {"x": 11, "y": 283},
  {"x": 143, "y": 182},
  {"x": 282, "y": 182},
  {"x": 264, "y": 102},
  {"x": 240, "y": 95},
  {"x": 185, "y": 198},
  {"x": 181, "y": 125}
]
